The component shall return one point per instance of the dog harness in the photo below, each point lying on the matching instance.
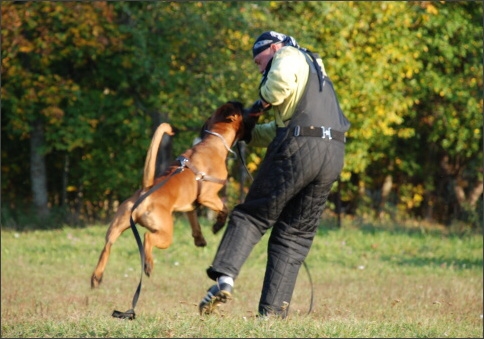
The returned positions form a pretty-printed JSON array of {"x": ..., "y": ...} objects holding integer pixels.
[{"x": 199, "y": 176}]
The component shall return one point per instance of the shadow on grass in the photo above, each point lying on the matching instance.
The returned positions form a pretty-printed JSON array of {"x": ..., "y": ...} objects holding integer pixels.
[
  {"x": 457, "y": 264},
  {"x": 415, "y": 229},
  {"x": 421, "y": 257}
]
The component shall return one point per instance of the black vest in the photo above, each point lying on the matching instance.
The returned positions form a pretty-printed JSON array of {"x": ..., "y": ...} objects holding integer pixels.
[{"x": 319, "y": 108}]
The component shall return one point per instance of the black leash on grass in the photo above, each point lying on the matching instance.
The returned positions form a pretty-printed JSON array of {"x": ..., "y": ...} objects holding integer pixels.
[
  {"x": 129, "y": 314},
  {"x": 312, "y": 289},
  {"x": 304, "y": 262}
]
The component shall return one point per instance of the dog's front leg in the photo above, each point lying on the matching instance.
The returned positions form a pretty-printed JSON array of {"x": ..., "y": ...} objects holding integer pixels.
[
  {"x": 220, "y": 220},
  {"x": 216, "y": 204},
  {"x": 197, "y": 235}
]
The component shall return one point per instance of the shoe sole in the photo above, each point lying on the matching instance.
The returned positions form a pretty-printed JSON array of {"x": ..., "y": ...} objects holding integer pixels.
[{"x": 211, "y": 306}]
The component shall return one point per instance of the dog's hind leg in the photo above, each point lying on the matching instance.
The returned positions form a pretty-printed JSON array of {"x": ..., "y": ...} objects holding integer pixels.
[
  {"x": 119, "y": 224},
  {"x": 160, "y": 235},
  {"x": 197, "y": 235}
]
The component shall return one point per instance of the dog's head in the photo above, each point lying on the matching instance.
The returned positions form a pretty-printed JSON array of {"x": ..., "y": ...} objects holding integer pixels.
[{"x": 227, "y": 116}]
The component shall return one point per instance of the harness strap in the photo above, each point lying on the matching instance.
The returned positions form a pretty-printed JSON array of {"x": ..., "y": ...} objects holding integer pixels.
[{"x": 199, "y": 176}]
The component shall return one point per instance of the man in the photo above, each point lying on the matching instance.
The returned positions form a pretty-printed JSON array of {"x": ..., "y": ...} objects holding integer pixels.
[{"x": 303, "y": 160}]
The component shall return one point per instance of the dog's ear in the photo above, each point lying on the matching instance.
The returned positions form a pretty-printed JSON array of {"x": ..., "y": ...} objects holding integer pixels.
[
  {"x": 237, "y": 105},
  {"x": 226, "y": 109},
  {"x": 240, "y": 105},
  {"x": 204, "y": 128},
  {"x": 222, "y": 113},
  {"x": 231, "y": 108},
  {"x": 228, "y": 112}
]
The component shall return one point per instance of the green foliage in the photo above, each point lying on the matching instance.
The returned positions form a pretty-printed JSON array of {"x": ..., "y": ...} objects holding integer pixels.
[
  {"x": 100, "y": 76},
  {"x": 448, "y": 104}
]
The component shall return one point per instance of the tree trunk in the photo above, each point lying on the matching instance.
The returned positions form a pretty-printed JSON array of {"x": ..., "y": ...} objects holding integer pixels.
[
  {"x": 476, "y": 193},
  {"x": 38, "y": 173},
  {"x": 65, "y": 176},
  {"x": 471, "y": 198},
  {"x": 385, "y": 192}
]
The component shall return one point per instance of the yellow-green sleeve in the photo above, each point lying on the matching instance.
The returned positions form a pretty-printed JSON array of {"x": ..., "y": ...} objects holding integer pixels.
[
  {"x": 285, "y": 83},
  {"x": 283, "y": 89},
  {"x": 262, "y": 134}
]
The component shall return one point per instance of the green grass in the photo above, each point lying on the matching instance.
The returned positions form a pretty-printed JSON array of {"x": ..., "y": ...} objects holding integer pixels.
[{"x": 370, "y": 281}]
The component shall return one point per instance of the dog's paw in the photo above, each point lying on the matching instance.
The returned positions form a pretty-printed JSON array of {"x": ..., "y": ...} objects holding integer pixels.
[
  {"x": 148, "y": 268},
  {"x": 95, "y": 281},
  {"x": 200, "y": 242},
  {"x": 217, "y": 227}
]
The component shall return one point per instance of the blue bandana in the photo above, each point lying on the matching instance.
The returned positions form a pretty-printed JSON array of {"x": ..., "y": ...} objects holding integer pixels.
[{"x": 266, "y": 39}]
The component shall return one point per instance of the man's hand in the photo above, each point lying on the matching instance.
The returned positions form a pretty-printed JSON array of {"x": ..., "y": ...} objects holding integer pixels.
[
  {"x": 250, "y": 117},
  {"x": 257, "y": 109}
]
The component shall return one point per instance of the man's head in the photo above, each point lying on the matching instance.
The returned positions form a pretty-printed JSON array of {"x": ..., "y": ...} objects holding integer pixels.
[{"x": 267, "y": 44}]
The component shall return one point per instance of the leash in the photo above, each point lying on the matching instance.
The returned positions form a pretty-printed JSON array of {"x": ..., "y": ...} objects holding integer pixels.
[
  {"x": 304, "y": 262},
  {"x": 243, "y": 162},
  {"x": 312, "y": 288},
  {"x": 130, "y": 314}
]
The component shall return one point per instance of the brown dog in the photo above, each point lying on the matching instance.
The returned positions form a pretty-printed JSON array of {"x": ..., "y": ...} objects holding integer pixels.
[{"x": 203, "y": 174}]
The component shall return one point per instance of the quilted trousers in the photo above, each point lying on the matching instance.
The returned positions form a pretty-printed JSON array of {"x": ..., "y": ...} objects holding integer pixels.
[{"x": 288, "y": 195}]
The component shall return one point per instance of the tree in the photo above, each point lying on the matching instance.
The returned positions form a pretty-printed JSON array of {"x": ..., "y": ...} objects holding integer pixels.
[
  {"x": 448, "y": 109},
  {"x": 85, "y": 84},
  {"x": 52, "y": 92}
]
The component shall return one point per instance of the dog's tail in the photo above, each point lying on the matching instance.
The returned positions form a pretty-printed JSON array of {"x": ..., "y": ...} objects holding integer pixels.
[{"x": 150, "y": 162}]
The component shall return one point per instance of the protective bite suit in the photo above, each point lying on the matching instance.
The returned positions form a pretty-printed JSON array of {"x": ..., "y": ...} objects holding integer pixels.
[{"x": 288, "y": 194}]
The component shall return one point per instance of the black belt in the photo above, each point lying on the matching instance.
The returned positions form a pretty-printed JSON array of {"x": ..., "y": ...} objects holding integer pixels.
[{"x": 319, "y": 132}]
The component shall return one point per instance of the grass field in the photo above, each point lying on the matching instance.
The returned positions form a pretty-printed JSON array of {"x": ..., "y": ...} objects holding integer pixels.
[{"x": 369, "y": 281}]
